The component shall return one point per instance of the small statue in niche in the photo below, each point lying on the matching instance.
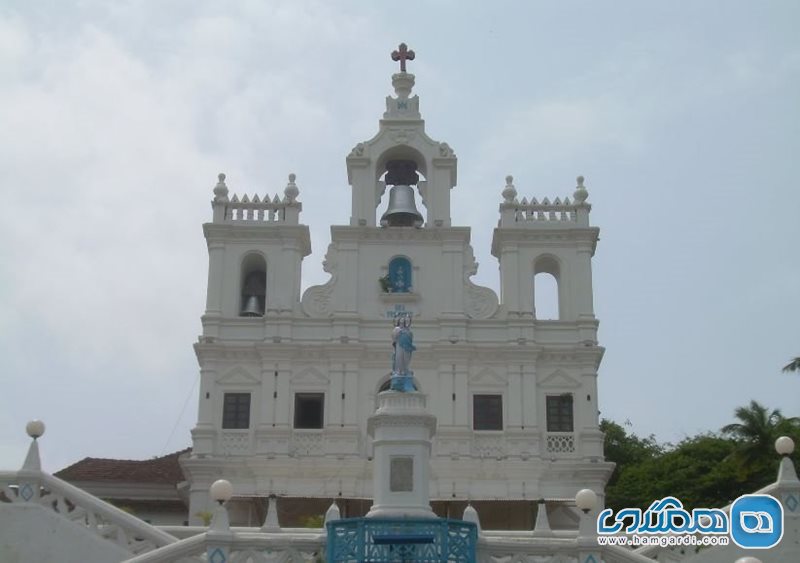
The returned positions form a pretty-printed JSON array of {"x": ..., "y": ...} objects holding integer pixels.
[{"x": 403, "y": 343}]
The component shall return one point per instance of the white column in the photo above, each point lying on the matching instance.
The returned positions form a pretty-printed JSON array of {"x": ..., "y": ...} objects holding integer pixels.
[{"x": 216, "y": 254}]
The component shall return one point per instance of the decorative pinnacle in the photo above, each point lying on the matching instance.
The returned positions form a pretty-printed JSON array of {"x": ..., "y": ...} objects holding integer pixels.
[
  {"x": 292, "y": 191},
  {"x": 403, "y": 54},
  {"x": 221, "y": 189},
  {"x": 509, "y": 192},
  {"x": 580, "y": 193}
]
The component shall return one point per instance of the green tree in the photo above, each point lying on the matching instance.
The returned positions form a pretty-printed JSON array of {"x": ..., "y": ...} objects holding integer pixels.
[
  {"x": 706, "y": 470},
  {"x": 755, "y": 436},
  {"x": 626, "y": 449},
  {"x": 699, "y": 471},
  {"x": 794, "y": 365}
]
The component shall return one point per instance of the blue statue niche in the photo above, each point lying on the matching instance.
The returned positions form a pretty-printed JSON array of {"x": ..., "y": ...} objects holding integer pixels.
[
  {"x": 400, "y": 275},
  {"x": 403, "y": 344}
]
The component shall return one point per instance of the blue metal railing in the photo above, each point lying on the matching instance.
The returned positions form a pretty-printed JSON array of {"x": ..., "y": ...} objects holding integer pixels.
[{"x": 418, "y": 540}]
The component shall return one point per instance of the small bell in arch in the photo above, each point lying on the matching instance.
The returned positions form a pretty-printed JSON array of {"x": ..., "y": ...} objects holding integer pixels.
[
  {"x": 253, "y": 295},
  {"x": 402, "y": 210}
]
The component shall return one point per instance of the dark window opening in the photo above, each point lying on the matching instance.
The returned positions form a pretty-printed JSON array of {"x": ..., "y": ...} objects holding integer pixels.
[
  {"x": 309, "y": 410},
  {"x": 487, "y": 412},
  {"x": 559, "y": 413},
  {"x": 254, "y": 286},
  {"x": 236, "y": 411}
]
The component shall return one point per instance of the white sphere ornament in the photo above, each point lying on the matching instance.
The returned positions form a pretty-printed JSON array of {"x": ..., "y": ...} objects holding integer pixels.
[
  {"x": 35, "y": 429},
  {"x": 748, "y": 559},
  {"x": 784, "y": 445},
  {"x": 586, "y": 500},
  {"x": 221, "y": 490}
]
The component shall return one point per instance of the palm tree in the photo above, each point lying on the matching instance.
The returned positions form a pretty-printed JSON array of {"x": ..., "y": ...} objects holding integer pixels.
[
  {"x": 756, "y": 433},
  {"x": 794, "y": 365}
]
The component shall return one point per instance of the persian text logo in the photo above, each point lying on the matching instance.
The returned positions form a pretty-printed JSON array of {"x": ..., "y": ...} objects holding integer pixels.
[
  {"x": 756, "y": 521},
  {"x": 665, "y": 516}
]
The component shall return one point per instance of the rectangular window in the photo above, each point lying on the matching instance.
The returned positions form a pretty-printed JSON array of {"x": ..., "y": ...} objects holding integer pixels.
[
  {"x": 559, "y": 413},
  {"x": 487, "y": 412},
  {"x": 309, "y": 410},
  {"x": 236, "y": 411}
]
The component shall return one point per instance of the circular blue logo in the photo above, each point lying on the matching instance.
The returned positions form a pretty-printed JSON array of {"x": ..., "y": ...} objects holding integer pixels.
[{"x": 756, "y": 521}]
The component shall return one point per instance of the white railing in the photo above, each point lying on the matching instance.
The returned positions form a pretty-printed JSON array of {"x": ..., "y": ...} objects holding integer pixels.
[
  {"x": 536, "y": 213},
  {"x": 501, "y": 550},
  {"x": 245, "y": 545},
  {"x": 235, "y": 442},
  {"x": 545, "y": 211},
  {"x": 70, "y": 502},
  {"x": 560, "y": 443},
  {"x": 257, "y": 210},
  {"x": 250, "y": 546}
]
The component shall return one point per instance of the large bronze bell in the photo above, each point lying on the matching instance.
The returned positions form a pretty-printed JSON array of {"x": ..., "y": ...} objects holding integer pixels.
[
  {"x": 252, "y": 308},
  {"x": 402, "y": 210}
]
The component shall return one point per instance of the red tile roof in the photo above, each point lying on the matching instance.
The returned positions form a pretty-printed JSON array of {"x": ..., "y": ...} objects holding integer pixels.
[{"x": 161, "y": 470}]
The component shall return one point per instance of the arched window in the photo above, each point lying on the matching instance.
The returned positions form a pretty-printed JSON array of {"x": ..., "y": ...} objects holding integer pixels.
[
  {"x": 254, "y": 286},
  {"x": 400, "y": 275},
  {"x": 546, "y": 294}
]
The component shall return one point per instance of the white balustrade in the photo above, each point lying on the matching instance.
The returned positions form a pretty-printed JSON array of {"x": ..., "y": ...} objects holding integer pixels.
[
  {"x": 80, "y": 507},
  {"x": 560, "y": 443}
]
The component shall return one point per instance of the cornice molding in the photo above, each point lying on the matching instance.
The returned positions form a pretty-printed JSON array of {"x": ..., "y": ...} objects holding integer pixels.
[
  {"x": 341, "y": 233},
  {"x": 299, "y": 235}
]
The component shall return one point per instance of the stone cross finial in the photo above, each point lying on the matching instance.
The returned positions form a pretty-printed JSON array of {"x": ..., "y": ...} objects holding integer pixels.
[{"x": 403, "y": 54}]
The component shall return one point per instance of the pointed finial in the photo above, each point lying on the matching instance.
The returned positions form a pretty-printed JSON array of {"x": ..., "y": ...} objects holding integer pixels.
[
  {"x": 333, "y": 513},
  {"x": 471, "y": 515},
  {"x": 35, "y": 429},
  {"x": 221, "y": 189},
  {"x": 221, "y": 492},
  {"x": 509, "y": 192},
  {"x": 292, "y": 191},
  {"x": 271, "y": 521},
  {"x": 580, "y": 193},
  {"x": 542, "y": 525}
]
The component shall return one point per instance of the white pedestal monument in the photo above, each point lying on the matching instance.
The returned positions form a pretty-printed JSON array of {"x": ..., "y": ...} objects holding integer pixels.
[{"x": 401, "y": 430}]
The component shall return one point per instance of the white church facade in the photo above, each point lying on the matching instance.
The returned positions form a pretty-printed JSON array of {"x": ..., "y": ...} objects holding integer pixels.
[{"x": 288, "y": 380}]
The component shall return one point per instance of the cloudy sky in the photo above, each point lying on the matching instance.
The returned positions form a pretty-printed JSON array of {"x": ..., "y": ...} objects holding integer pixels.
[{"x": 117, "y": 116}]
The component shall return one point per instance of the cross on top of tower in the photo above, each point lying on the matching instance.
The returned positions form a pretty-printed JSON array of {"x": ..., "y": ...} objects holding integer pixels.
[{"x": 403, "y": 54}]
